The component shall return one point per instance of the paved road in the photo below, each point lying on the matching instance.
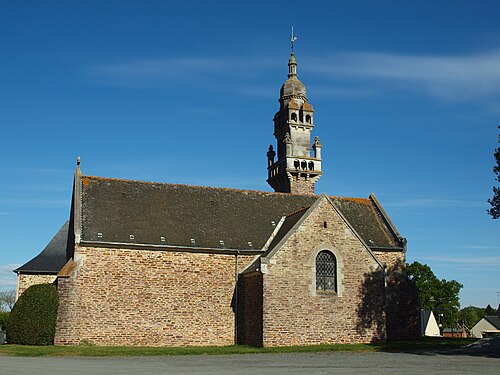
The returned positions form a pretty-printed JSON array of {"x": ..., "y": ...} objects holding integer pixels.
[{"x": 296, "y": 363}]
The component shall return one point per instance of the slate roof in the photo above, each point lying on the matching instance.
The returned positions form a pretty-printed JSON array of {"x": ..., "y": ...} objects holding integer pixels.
[
  {"x": 290, "y": 221},
  {"x": 493, "y": 320},
  {"x": 52, "y": 258},
  {"x": 112, "y": 210},
  {"x": 368, "y": 222}
]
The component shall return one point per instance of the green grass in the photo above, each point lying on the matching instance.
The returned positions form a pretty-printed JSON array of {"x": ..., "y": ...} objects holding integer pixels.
[{"x": 121, "y": 351}]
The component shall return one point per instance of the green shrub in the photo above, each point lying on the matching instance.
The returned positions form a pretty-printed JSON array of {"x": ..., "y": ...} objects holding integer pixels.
[
  {"x": 3, "y": 320},
  {"x": 32, "y": 320}
]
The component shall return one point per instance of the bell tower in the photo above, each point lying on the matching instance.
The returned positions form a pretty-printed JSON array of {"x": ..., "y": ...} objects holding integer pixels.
[{"x": 295, "y": 171}]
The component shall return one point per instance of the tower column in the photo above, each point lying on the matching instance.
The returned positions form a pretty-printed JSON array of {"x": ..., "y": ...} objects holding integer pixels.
[{"x": 295, "y": 171}]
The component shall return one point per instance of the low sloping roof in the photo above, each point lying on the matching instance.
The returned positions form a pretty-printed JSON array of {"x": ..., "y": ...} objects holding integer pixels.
[
  {"x": 52, "y": 258},
  {"x": 287, "y": 225},
  {"x": 493, "y": 320},
  {"x": 136, "y": 212}
]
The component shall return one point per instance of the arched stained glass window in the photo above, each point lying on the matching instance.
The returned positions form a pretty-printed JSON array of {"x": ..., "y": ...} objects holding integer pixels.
[{"x": 326, "y": 272}]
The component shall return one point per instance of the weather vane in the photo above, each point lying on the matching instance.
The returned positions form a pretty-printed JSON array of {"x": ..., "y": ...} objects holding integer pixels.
[{"x": 293, "y": 39}]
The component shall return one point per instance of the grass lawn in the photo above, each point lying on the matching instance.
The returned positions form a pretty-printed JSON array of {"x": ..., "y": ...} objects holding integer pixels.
[{"x": 122, "y": 351}]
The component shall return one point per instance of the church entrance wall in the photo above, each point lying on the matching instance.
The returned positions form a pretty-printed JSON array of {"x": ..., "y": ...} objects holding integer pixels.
[{"x": 296, "y": 313}]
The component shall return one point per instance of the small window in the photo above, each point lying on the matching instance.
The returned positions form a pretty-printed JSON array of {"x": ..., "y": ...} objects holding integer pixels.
[
  {"x": 308, "y": 119},
  {"x": 294, "y": 117},
  {"x": 326, "y": 272}
]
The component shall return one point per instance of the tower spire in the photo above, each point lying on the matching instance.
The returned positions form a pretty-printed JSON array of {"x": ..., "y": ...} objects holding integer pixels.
[
  {"x": 295, "y": 170},
  {"x": 292, "y": 63},
  {"x": 293, "y": 39}
]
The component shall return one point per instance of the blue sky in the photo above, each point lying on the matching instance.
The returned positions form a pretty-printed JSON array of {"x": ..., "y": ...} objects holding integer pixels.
[{"x": 407, "y": 100}]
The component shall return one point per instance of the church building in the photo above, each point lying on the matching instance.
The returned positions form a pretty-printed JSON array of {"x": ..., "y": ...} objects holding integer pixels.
[{"x": 157, "y": 264}]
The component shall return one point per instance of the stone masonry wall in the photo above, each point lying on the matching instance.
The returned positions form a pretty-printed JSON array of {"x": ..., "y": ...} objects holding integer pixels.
[
  {"x": 301, "y": 186},
  {"x": 392, "y": 259},
  {"x": 403, "y": 310},
  {"x": 296, "y": 314},
  {"x": 147, "y": 298},
  {"x": 403, "y": 300},
  {"x": 24, "y": 281},
  {"x": 250, "y": 309}
]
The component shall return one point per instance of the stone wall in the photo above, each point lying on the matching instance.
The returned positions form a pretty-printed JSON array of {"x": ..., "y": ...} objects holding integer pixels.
[
  {"x": 403, "y": 308},
  {"x": 392, "y": 259},
  {"x": 24, "y": 281},
  {"x": 296, "y": 314},
  {"x": 250, "y": 309},
  {"x": 301, "y": 186},
  {"x": 147, "y": 298}
]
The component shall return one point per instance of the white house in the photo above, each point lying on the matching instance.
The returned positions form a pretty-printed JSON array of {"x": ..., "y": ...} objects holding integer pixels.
[{"x": 428, "y": 324}]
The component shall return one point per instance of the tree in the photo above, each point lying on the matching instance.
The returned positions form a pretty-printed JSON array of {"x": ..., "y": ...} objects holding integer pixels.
[
  {"x": 490, "y": 311},
  {"x": 427, "y": 283},
  {"x": 440, "y": 296},
  {"x": 494, "y": 211},
  {"x": 7, "y": 300},
  {"x": 32, "y": 320},
  {"x": 4, "y": 316},
  {"x": 471, "y": 315}
]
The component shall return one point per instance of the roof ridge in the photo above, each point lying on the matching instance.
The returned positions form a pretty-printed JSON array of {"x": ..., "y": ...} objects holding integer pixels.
[
  {"x": 352, "y": 199},
  {"x": 196, "y": 186}
]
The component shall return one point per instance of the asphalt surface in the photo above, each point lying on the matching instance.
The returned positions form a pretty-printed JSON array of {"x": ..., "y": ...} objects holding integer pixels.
[{"x": 294, "y": 363}]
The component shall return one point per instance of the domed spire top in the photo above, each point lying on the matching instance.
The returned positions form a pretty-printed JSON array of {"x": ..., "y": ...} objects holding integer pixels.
[{"x": 292, "y": 88}]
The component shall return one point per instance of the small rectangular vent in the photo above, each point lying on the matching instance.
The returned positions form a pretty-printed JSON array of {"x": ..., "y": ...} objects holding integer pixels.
[
  {"x": 162, "y": 239},
  {"x": 132, "y": 237},
  {"x": 222, "y": 243},
  {"x": 99, "y": 235},
  {"x": 250, "y": 243},
  {"x": 193, "y": 241}
]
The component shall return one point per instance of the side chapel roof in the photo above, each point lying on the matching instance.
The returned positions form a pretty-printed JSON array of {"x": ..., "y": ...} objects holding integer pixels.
[{"x": 52, "y": 257}]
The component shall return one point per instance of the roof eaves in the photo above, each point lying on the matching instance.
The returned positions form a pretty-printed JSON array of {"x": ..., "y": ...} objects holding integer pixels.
[
  {"x": 387, "y": 248},
  {"x": 30, "y": 272},
  {"x": 192, "y": 249}
]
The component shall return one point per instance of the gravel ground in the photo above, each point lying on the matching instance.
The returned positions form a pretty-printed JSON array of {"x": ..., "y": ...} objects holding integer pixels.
[{"x": 298, "y": 363}]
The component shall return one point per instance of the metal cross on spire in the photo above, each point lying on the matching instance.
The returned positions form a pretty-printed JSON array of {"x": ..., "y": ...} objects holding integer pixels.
[{"x": 293, "y": 39}]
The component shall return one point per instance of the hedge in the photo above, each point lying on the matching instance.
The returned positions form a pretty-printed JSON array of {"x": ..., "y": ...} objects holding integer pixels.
[
  {"x": 4, "y": 316},
  {"x": 32, "y": 320}
]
